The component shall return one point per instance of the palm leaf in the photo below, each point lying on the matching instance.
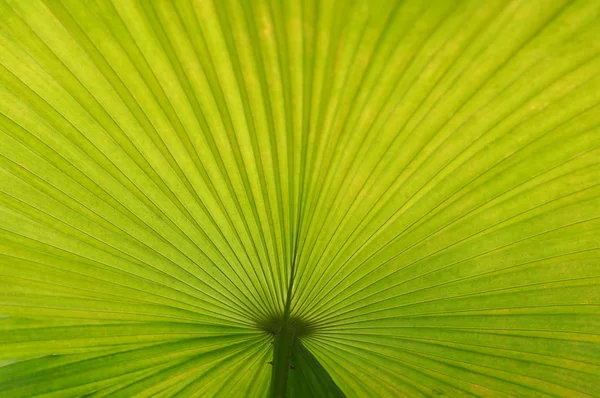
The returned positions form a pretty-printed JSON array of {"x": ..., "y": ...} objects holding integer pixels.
[{"x": 300, "y": 197}]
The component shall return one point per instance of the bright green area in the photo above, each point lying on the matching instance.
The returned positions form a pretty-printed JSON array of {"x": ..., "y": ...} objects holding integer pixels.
[{"x": 426, "y": 173}]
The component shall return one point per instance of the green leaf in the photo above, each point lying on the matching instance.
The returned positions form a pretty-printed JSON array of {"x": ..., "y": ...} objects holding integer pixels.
[{"x": 309, "y": 198}]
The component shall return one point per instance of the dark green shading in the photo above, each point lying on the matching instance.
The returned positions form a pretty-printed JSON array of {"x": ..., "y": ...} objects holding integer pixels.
[
  {"x": 282, "y": 350},
  {"x": 307, "y": 377},
  {"x": 296, "y": 372}
]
